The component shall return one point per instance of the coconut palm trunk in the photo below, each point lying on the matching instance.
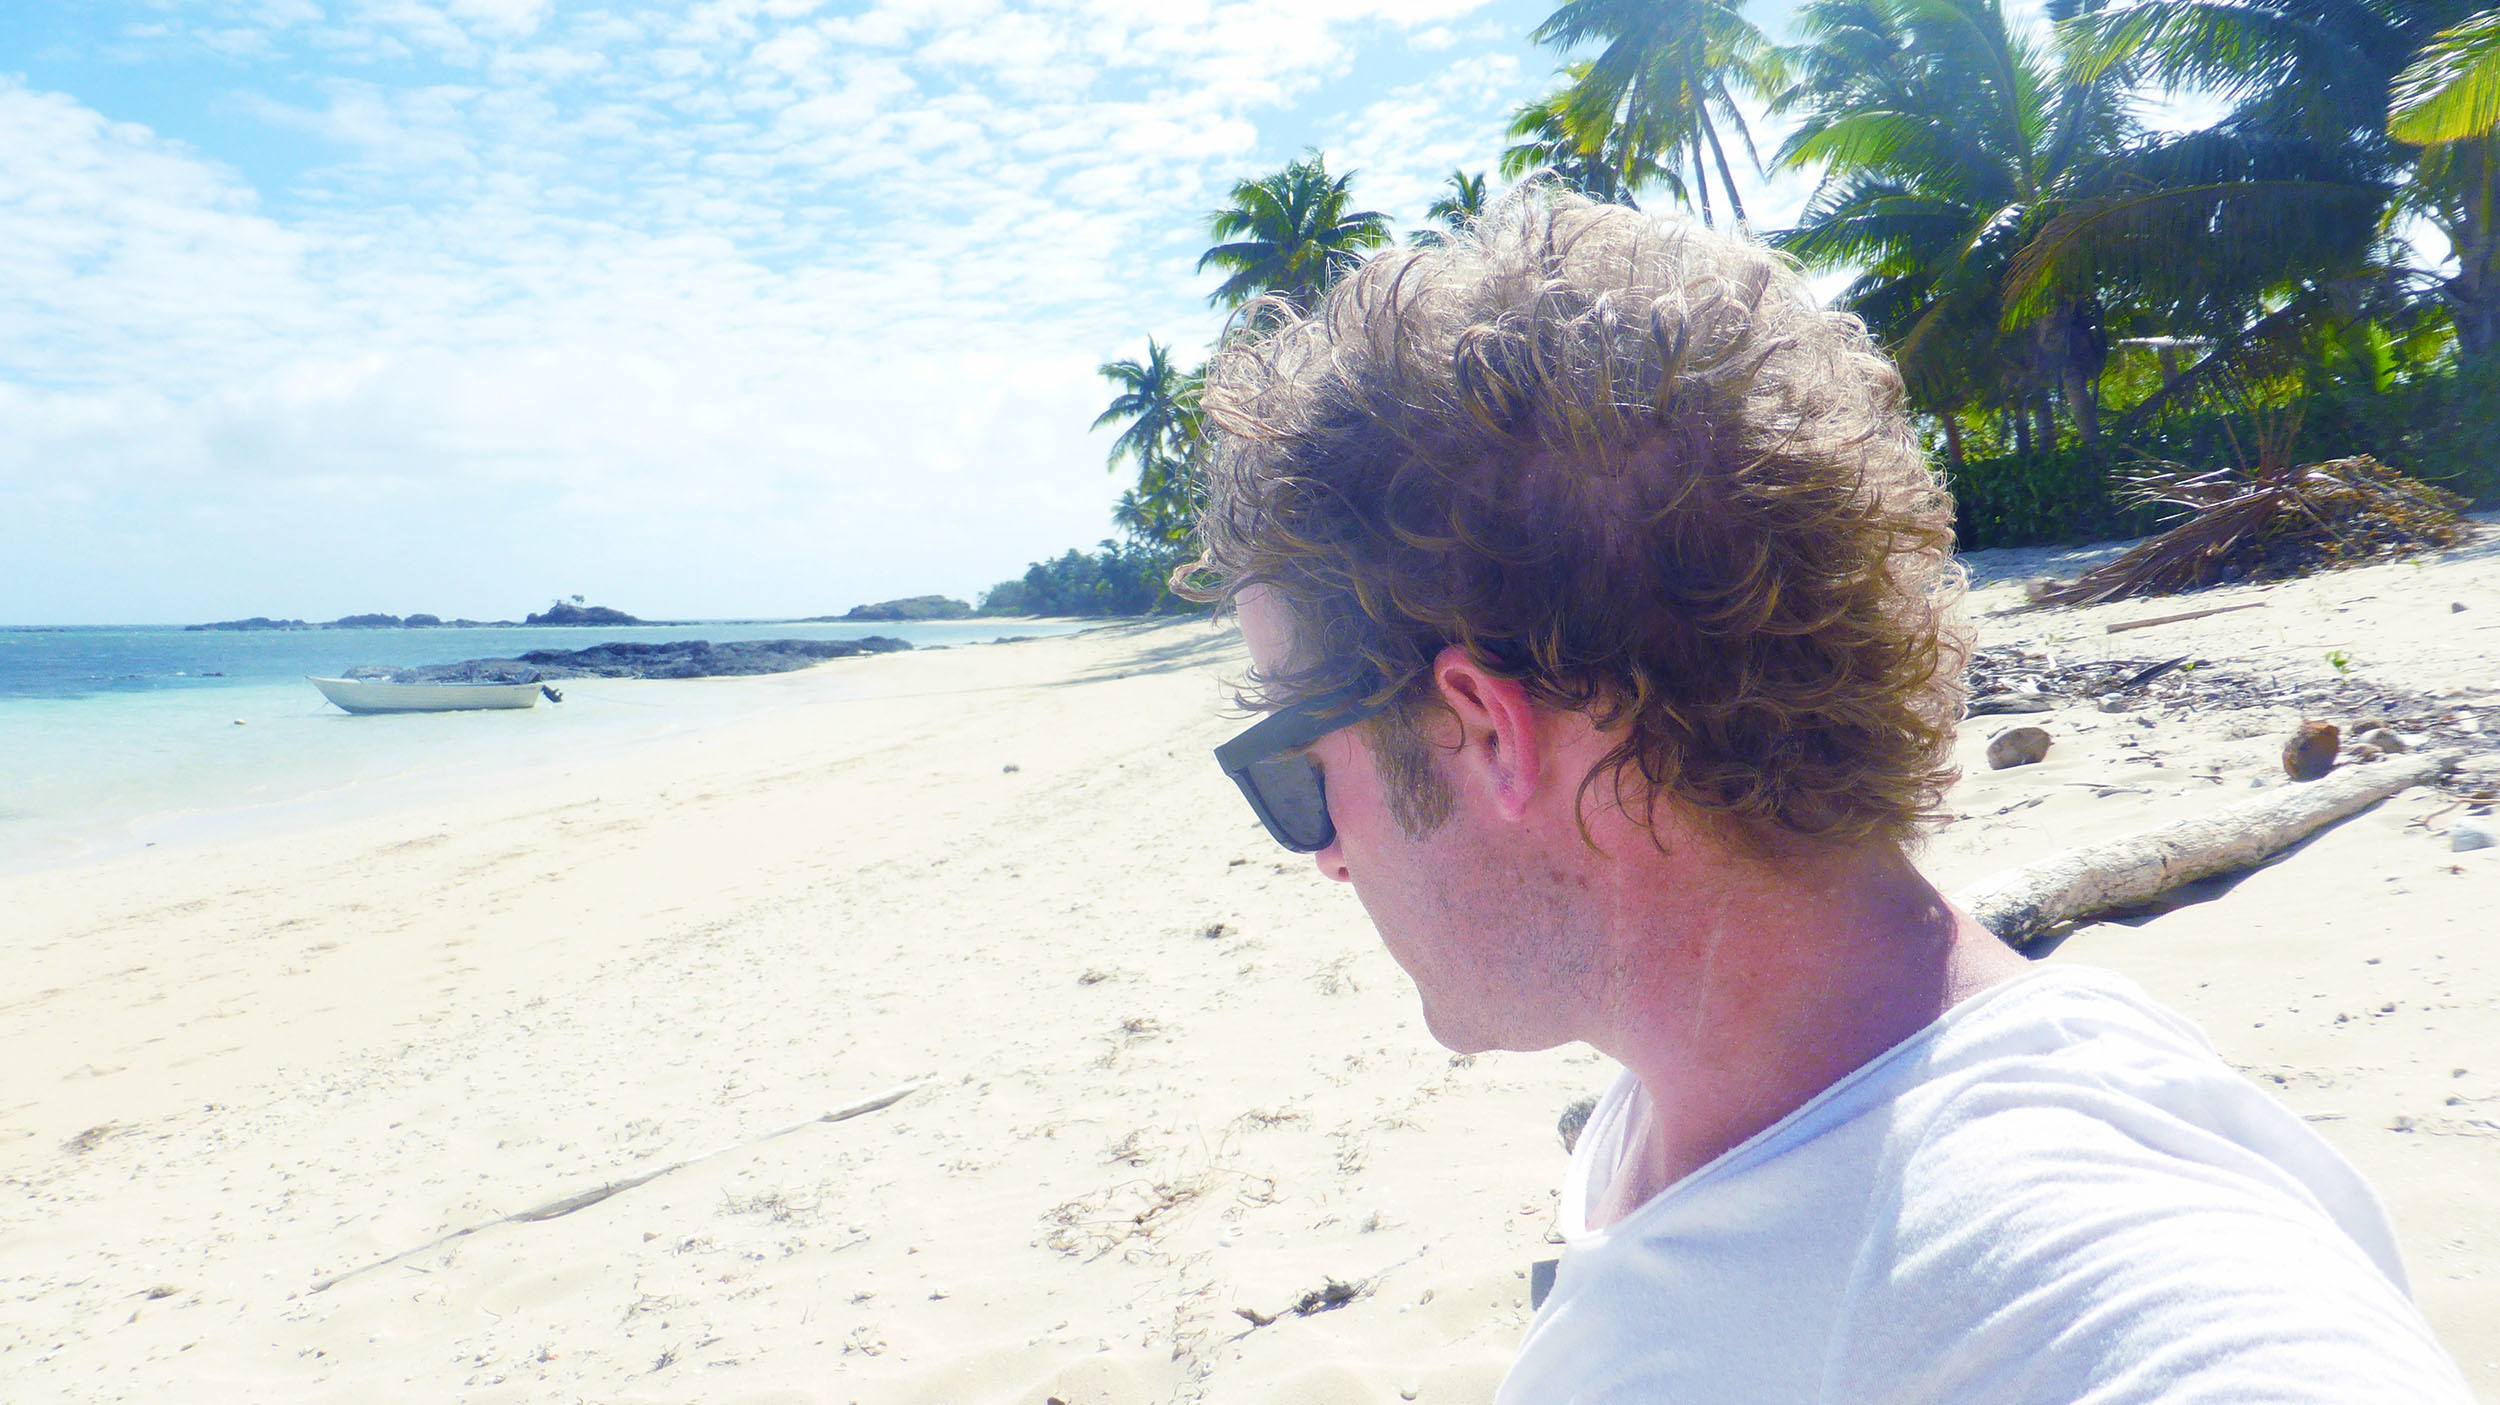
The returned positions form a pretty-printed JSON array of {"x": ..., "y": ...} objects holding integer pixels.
[
  {"x": 1718, "y": 153},
  {"x": 2471, "y": 220}
]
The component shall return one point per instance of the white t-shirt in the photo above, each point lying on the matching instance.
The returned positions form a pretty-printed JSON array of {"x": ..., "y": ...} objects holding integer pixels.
[{"x": 2057, "y": 1193}]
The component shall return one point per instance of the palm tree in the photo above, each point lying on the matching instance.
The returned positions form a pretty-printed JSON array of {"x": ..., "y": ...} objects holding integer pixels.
[
  {"x": 1290, "y": 234},
  {"x": 1460, "y": 204},
  {"x": 1592, "y": 159},
  {"x": 1154, "y": 402},
  {"x": 1665, "y": 79},
  {"x": 1946, "y": 142},
  {"x": 2305, "y": 152},
  {"x": 1163, "y": 435}
]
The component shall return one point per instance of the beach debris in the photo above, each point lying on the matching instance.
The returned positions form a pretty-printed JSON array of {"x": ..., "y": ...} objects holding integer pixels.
[
  {"x": 1574, "y": 1119},
  {"x": 2471, "y": 833},
  {"x": 1009, "y": 769},
  {"x": 1327, "y": 1297},
  {"x": 2123, "y": 626},
  {"x": 566, "y": 1205},
  {"x": 2022, "y": 904},
  {"x": 2115, "y": 702},
  {"x": 2311, "y": 751},
  {"x": 2385, "y": 740},
  {"x": 2271, "y": 521},
  {"x": 2456, "y": 607},
  {"x": 241, "y": 723},
  {"x": 90, "y": 1139},
  {"x": 2017, "y": 746},
  {"x": 2146, "y": 675},
  {"x": 2010, "y": 702}
]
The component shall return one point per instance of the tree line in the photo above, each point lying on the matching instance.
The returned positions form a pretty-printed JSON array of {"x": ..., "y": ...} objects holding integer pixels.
[{"x": 2068, "y": 288}]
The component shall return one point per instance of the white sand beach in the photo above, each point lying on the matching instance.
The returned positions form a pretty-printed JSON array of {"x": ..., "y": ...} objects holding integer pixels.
[{"x": 1161, "y": 1071}]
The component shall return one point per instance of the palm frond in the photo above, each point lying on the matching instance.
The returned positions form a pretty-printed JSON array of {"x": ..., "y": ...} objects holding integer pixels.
[
  {"x": 2138, "y": 235},
  {"x": 2451, "y": 92}
]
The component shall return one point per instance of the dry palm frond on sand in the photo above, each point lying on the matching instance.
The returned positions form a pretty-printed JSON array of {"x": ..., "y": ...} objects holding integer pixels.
[{"x": 2270, "y": 524}]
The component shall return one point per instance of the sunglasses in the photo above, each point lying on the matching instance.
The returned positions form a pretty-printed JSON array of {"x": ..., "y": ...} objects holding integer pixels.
[{"x": 1280, "y": 782}]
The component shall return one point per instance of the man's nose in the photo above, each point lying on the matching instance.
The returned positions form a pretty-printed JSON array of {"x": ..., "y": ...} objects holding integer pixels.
[{"x": 1331, "y": 861}]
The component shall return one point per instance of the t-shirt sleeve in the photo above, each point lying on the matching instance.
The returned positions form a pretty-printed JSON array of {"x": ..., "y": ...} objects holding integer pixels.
[{"x": 2065, "y": 1248}]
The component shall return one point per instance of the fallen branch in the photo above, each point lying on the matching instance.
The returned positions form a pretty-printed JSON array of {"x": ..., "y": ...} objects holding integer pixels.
[
  {"x": 556, "y": 1209},
  {"x": 2022, "y": 904},
  {"x": 2123, "y": 626}
]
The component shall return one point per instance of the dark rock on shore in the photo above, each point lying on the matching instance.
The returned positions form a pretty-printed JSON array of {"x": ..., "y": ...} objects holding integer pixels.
[{"x": 689, "y": 658}]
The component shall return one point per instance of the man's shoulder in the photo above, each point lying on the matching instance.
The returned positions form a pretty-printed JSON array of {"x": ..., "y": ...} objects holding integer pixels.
[
  {"x": 2080, "y": 1086},
  {"x": 2093, "y": 1196}
]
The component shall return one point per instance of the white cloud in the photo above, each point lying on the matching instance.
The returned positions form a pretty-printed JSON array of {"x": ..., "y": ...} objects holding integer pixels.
[
  {"x": 757, "y": 295},
  {"x": 505, "y": 18},
  {"x": 1404, "y": 145}
]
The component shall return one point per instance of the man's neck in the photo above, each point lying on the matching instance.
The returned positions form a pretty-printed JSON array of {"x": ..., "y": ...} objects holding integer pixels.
[{"x": 1736, "y": 1009}]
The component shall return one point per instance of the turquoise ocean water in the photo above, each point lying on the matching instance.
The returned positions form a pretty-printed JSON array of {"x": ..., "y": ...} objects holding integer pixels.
[{"x": 115, "y": 738}]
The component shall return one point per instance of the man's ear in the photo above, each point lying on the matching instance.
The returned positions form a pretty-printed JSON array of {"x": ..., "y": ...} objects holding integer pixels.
[{"x": 1498, "y": 728}]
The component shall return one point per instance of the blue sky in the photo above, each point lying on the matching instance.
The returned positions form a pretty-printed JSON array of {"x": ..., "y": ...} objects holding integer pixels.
[{"x": 743, "y": 307}]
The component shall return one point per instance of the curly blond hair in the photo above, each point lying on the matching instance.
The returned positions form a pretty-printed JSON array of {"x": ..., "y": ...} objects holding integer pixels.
[{"x": 1629, "y": 462}]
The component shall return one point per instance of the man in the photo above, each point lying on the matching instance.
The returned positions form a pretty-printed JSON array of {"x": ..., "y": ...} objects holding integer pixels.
[{"x": 1603, "y": 607}]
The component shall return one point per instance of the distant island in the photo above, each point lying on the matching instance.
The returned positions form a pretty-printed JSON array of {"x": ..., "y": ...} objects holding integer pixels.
[
  {"x": 562, "y": 613},
  {"x": 916, "y": 607},
  {"x": 687, "y": 658},
  {"x": 576, "y": 613}
]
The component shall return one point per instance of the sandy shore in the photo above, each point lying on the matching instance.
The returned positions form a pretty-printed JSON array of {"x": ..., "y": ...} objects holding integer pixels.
[{"x": 1162, "y": 1071}]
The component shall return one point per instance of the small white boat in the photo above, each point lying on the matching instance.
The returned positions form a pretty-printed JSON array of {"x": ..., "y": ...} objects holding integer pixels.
[{"x": 366, "y": 695}]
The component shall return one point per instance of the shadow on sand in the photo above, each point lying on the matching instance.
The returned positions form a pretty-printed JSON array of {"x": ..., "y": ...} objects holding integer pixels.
[{"x": 1180, "y": 645}]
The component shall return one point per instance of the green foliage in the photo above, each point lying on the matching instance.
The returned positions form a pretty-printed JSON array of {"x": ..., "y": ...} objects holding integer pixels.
[
  {"x": 1948, "y": 145},
  {"x": 1661, "y": 91},
  {"x": 1460, "y": 204},
  {"x": 2020, "y": 243},
  {"x": 2061, "y": 496},
  {"x": 1601, "y": 161},
  {"x": 1156, "y": 407},
  {"x": 2435, "y": 424},
  {"x": 1120, "y": 578},
  {"x": 2452, "y": 91},
  {"x": 1290, "y": 234}
]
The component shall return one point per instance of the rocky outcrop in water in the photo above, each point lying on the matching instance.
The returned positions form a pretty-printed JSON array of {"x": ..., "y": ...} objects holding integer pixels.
[
  {"x": 563, "y": 612},
  {"x": 688, "y": 658},
  {"x": 559, "y": 614},
  {"x": 368, "y": 621},
  {"x": 255, "y": 622}
]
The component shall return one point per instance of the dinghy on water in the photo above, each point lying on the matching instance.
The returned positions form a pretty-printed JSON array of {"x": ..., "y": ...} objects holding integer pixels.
[{"x": 366, "y": 695}]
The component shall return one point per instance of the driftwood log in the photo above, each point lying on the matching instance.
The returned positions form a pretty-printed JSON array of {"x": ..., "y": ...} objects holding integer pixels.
[
  {"x": 2023, "y": 904},
  {"x": 583, "y": 1200}
]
